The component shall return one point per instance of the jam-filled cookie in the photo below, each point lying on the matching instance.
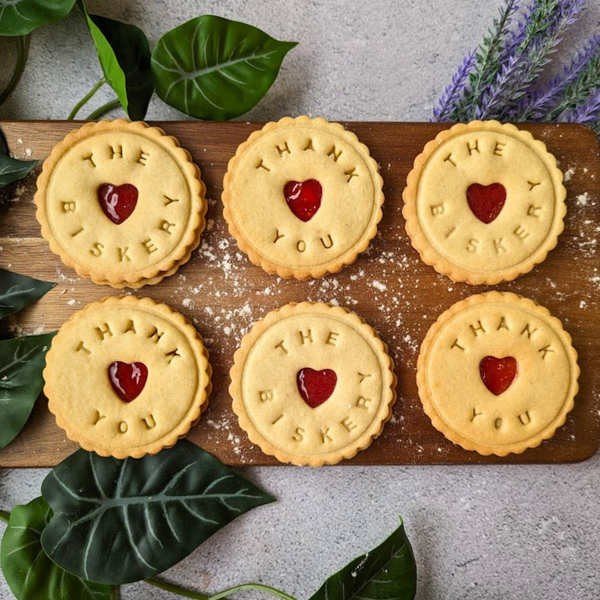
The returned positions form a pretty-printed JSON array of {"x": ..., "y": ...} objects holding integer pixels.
[
  {"x": 121, "y": 202},
  {"x": 484, "y": 202},
  {"x": 312, "y": 384},
  {"x": 497, "y": 374},
  {"x": 127, "y": 376},
  {"x": 302, "y": 197}
]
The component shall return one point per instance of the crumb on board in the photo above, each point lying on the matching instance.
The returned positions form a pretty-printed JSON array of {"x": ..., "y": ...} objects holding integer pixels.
[{"x": 583, "y": 199}]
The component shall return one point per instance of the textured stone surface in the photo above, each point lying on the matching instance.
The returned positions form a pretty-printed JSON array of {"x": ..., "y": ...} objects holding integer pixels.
[{"x": 481, "y": 533}]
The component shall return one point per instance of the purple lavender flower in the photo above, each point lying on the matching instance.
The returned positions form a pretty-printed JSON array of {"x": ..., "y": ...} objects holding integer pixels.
[
  {"x": 516, "y": 81},
  {"x": 501, "y": 80},
  {"x": 541, "y": 103},
  {"x": 515, "y": 38},
  {"x": 454, "y": 90},
  {"x": 495, "y": 98},
  {"x": 588, "y": 112},
  {"x": 482, "y": 68}
]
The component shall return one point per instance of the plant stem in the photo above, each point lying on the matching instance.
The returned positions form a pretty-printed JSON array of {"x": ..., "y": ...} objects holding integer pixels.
[
  {"x": 103, "y": 109},
  {"x": 238, "y": 588},
  {"x": 86, "y": 99},
  {"x": 22, "y": 53},
  {"x": 4, "y": 516},
  {"x": 253, "y": 586},
  {"x": 163, "y": 585}
]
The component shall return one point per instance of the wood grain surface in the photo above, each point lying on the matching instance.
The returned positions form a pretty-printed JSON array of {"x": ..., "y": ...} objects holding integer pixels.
[{"x": 389, "y": 286}]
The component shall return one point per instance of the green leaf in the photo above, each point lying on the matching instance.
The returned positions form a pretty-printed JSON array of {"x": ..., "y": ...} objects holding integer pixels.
[
  {"x": 216, "y": 69},
  {"x": 124, "y": 55},
  {"x": 117, "y": 521},
  {"x": 12, "y": 169},
  {"x": 22, "y": 361},
  {"x": 20, "y": 17},
  {"x": 18, "y": 291},
  {"x": 30, "y": 574},
  {"x": 387, "y": 572}
]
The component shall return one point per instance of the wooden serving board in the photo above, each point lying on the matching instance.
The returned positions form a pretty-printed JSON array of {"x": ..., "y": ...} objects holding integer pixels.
[{"x": 223, "y": 294}]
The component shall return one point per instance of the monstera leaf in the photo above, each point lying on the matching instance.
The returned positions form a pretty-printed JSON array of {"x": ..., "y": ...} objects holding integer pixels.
[
  {"x": 124, "y": 55},
  {"x": 20, "y": 17},
  {"x": 22, "y": 361},
  {"x": 388, "y": 572},
  {"x": 213, "y": 68},
  {"x": 30, "y": 574},
  {"x": 18, "y": 291},
  {"x": 117, "y": 521},
  {"x": 12, "y": 169}
]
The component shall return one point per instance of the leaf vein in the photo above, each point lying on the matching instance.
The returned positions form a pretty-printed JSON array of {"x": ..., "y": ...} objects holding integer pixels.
[{"x": 131, "y": 540}]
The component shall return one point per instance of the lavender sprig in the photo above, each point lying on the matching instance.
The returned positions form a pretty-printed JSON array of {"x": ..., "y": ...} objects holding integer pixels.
[
  {"x": 516, "y": 82},
  {"x": 515, "y": 39},
  {"x": 588, "y": 112},
  {"x": 585, "y": 66},
  {"x": 493, "y": 100},
  {"x": 581, "y": 86},
  {"x": 487, "y": 63},
  {"x": 503, "y": 82},
  {"x": 455, "y": 89}
]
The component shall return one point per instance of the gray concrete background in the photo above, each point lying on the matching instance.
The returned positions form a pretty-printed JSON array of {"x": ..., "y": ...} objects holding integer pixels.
[{"x": 484, "y": 533}]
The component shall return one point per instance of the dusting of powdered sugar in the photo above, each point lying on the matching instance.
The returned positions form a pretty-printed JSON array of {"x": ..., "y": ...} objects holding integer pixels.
[{"x": 223, "y": 295}]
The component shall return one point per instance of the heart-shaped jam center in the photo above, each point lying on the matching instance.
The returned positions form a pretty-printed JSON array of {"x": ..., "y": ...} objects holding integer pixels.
[
  {"x": 498, "y": 374},
  {"x": 486, "y": 201},
  {"x": 316, "y": 387},
  {"x": 128, "y": 379},
  {"x": 117, "y": 201},
  {"x": 303, "y": 198}
]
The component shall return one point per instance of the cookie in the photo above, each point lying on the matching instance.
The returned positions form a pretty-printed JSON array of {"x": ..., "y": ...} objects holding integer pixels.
[
  {"x": 127, "y": 376},
  {"x": 484, "y": 202},
  {"x": 121, "y": 202},
  {"x": 312, "y": 384},
  {"x": 302, "y": 197},
  {"x": 497, "y": 374}
]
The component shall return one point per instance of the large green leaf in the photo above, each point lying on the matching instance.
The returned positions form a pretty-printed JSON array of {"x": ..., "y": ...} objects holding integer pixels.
[
  {"x": 117, "y": 521},
  {"x": 18, "y": 291},
  {"x": 12, "y": 169},
  {"x": 20, "y": 17},
  {"x": 22, "y": 361},
  {"x": 124, "y": 55},
  {"x": 216, "y": 69},
  {"x": 387, "y": 572},
  {"x": 30, "y": 574}
]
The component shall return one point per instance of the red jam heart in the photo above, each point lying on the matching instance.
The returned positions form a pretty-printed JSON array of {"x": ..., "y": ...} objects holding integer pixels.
[
  {"x": 128, "y": 380},
  {"x": 498, "y": 373},
  {"x": 303, "y": 198},
  {"x": 117, "y": 201},
  {"x": 316, "y": 387},
  {"x": 486, "y": 201}
]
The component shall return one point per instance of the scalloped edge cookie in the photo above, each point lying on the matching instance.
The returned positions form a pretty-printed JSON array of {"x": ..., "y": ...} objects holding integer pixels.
[
  {"x": 309, "y": 272},
  {"x": 202, "y": 395},
  {"x": 453, "y": 435},
  {"x": 442, "y": 265},
  {"x": 332, "y": 458},
  {"x": 154, "y": 274}
]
